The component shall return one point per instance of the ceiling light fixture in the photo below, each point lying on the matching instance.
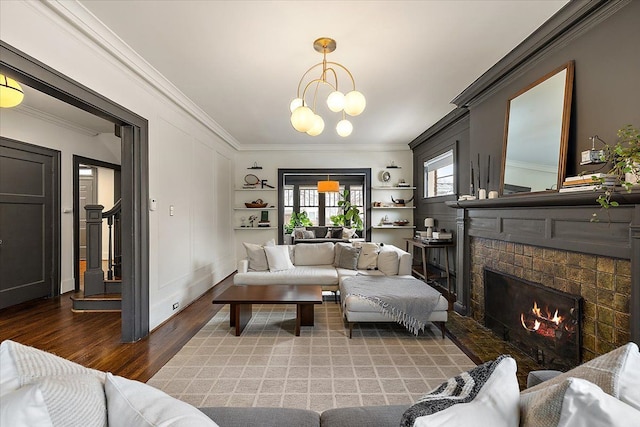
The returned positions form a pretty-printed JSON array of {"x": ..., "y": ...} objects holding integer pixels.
[
  {"x": 304, "y": 116},
  {"x": 11, "y": 94},
  {"x": 328, "y": 186}
]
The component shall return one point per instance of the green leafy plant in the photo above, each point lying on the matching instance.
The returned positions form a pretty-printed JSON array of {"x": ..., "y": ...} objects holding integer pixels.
[
  {"x": 625, "y": 162},
  {"x": 297, "y": 220},
  {"x": 350, "y": 215}
]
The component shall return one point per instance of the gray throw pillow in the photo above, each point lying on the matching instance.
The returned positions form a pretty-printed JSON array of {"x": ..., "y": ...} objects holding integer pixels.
[{"x": 348, "y": 258}]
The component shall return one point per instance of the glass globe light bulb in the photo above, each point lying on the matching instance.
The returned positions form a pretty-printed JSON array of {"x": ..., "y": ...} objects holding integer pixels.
[
  {"x": 318, "y": 126},
  {"x": 297, "y": 102},
  {"x": 11, "y": 93},
  {"x": 344, "y": 128},
  {"x": 354, "y": 103},
  {"x": 302, "y": 119},
  {"x": 335, "y": 101}
]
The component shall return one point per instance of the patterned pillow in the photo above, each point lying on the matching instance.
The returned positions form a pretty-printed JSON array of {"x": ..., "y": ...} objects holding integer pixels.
[
  {"x": 575, "y": 402},
  {"x": 488, "y": 392},
  {"x": 368, "y": 256},
  {"x": 617, "y": 373}
]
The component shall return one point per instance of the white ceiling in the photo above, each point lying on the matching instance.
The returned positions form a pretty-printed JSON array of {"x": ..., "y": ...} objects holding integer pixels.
[{"x": 240, "y": 61}]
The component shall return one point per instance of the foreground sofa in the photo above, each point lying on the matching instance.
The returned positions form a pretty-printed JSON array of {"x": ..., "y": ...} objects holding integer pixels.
[{"x": 41, "y": 389}]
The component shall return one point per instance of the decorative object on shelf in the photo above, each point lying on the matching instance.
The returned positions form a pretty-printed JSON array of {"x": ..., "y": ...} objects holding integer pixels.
[
  {"x": 385, "y": 176},
  {"x": 393, "y": 165},
  {"x": 385, "y": 220},
  {"x": 493, "y": 194},
  {"x": 242, "y": 221},
  {"x": 252, "y": 219},
  {"x": 305, "y": 119},
  {"x": 256, "y": 204},
  {"x": 11, "y": 93},
  {"x": 328, "y": 186},
  {"x": 297, "y": 220},
  {"x": 255, "y": 166},
  {"x": 264, "y": 219},
  {"x": 482, "y": 194},
  {"x": 350, "y": 216},
  {"x": 429, "y": 223},
  {"x": 400, "y": 202},
  {"x": 401, "y": 222},
  {"x": 402, "y": 183},
  {"x": 625, "y": 167},
  {"x": 250, "y": 181}
]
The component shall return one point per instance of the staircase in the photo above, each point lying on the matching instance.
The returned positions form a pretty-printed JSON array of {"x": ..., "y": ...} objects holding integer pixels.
[{"x": 101, "y": 294}]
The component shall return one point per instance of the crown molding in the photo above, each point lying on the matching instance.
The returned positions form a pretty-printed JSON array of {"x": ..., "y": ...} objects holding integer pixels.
[
  {"x": 119, "y": 52},
  {"x": 574, "y": 19},
  {"x": 325, "y": 147}
]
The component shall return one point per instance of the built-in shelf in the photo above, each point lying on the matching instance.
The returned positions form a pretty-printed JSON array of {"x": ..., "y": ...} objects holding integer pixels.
[
  {"x": 255, "y": 228},
  {"x": 408, "y": 227},
  {"x": 256, "y": 189},
  {"x": 393, "y": 207},
  {"x": 254, "y": 209},
  {"x": 393, "y": 188}
]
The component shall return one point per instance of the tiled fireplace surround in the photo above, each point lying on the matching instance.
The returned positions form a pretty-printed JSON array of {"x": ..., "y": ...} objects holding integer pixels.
[
  {"x": 549, "y": 239},
  {"x": 603, "y": 282}
]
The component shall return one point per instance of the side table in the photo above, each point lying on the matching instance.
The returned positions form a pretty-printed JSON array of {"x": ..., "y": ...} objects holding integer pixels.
[{"x": 424, "y": 246}]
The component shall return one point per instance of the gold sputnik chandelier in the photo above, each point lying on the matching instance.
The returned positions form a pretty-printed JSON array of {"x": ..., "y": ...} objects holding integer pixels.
[{"x": 304, "y": 116}]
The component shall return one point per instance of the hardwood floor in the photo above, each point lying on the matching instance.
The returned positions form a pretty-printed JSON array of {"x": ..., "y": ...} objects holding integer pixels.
[{"x": 93, "y": 339}]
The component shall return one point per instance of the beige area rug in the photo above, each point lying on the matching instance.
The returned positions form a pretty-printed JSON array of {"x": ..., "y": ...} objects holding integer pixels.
[{"x": 322, "y": 368}]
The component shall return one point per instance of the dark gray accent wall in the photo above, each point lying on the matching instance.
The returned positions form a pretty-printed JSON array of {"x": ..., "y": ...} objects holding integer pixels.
[
  {"x": 452, "y": 132},
  {"x": 606, "y": 87}
]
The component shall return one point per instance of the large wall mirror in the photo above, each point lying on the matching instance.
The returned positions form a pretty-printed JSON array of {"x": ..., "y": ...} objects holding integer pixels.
[{"x": 536, "y": 134}]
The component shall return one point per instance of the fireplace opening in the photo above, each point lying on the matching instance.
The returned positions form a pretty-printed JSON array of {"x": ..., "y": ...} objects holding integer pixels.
[{"x": 543, "y": 322}]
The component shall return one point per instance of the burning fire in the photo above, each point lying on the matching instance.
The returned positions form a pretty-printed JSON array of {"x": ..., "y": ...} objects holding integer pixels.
[{"x": 544, "y": 324}]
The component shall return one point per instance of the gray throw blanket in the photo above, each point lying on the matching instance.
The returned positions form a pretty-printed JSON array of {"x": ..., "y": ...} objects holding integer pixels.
[{"x": 407, "y": 301}]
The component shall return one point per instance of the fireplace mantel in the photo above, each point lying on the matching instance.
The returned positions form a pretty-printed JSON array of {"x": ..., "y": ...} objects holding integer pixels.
[{"x": 556, "y": 221}]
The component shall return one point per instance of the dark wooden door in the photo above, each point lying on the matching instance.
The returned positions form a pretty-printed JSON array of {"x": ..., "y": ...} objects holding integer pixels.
[{"x": 28, "y": 198}]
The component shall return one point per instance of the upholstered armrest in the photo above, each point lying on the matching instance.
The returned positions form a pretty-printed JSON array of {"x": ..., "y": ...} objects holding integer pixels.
[
  {"x": 537, "y": 377},
  {"x": 243, "y": 266}
]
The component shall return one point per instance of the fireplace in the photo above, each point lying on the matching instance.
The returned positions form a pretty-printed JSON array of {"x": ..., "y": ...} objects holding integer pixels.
[{"x": 543, "y": 322}]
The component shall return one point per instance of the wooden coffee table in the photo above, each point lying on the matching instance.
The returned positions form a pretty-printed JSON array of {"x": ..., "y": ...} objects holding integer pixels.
[{"x": 241, "y": 298}]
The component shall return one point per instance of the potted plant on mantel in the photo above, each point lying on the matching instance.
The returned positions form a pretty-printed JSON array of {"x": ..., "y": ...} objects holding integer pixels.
[{"x": 625, "y": 171}]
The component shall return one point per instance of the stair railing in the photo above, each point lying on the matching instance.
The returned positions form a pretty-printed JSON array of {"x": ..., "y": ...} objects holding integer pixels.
[
  {"x": 94, "y": 275},
  {"x": 114, "y": 263}
]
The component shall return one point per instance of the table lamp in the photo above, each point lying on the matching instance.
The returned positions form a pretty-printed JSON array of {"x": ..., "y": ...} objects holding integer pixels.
[{"x": 429, "y": 223}]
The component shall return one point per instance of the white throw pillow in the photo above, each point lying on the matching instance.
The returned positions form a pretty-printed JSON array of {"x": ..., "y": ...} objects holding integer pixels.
[
  {"x": 617, "y": 373},
  {"x": 314, "y": 253},
  {"x": 256, "y": 256},
  {"x": 368, "y": 255},
  {"x": 278, "y": 258},
  {"x": 22, "y": 365},
  {"x": 68, "y": 400},
  {"x": 132, "y": 403},
  {"x": 348, "y": 233},
  {"x": 388, "y": 261},
  {"x": 486, "y": 395},
  {"x": 575, "y": 402},
  {"x": 24, "y": 407}
]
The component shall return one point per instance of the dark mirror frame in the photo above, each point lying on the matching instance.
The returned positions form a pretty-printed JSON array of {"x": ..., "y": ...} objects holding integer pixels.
[{"x": 564, "y": 131}]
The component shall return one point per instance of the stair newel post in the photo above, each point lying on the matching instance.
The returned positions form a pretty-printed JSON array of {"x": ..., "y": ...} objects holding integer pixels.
[
  {"x": 110, "y": 261},
  {"x": 94, "y": 275}
]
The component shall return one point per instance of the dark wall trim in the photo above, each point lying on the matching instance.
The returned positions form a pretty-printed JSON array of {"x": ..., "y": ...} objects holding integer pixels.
[
  {"x": 366, "y": 172},
  {"x": 442, "y": 124},
  {"x": 77, "y": 161},
  {"x": 135, "y": 172},
  {"x": 572, "y": 20}
]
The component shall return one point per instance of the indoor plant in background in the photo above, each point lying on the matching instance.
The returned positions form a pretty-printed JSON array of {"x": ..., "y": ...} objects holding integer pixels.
[
  {"x": 297, "y": 220},
  {"x": 624, "y": 158},
  {"x": 350, "y": 216}
]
